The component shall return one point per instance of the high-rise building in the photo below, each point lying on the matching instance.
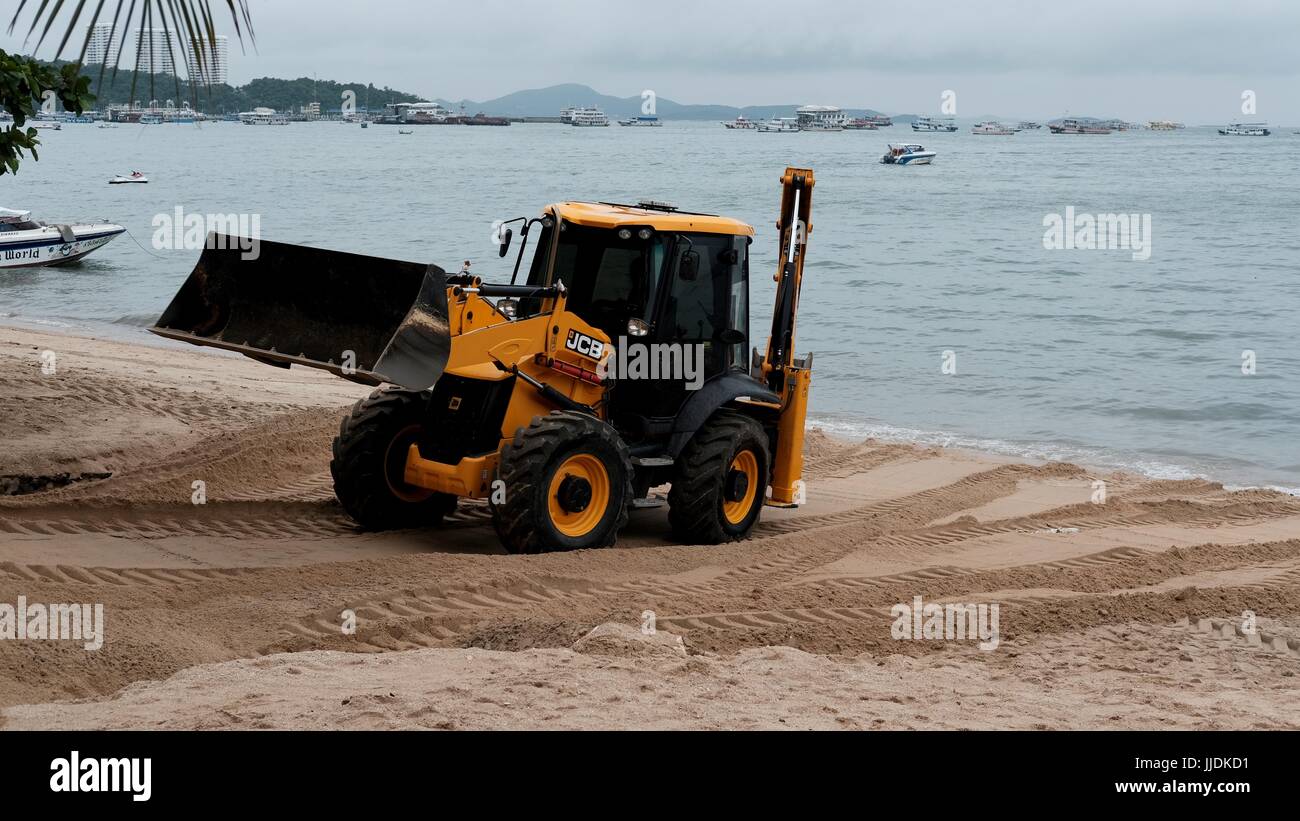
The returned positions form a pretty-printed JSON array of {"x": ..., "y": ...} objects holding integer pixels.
[
  {"x": 153, "y": 51},
  {"x": 102, "y": 47},
  {"x": 216, "y": 56}
]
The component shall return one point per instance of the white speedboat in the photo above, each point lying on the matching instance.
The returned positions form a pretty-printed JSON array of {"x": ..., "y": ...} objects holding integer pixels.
[
  {"x": 780, "y": 125},
  {"x": 133, "y": 177},
  {"x": 907, "y": 154},
  {"x": 641, "y": 122},
  {"x": 27, "y": 243},
  {"x": 992, "y": 128},
  {"x": 52, "y": 125}
]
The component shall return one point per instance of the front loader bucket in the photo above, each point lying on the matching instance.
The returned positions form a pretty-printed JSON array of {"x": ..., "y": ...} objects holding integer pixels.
[{"x": 367, "y": 319}]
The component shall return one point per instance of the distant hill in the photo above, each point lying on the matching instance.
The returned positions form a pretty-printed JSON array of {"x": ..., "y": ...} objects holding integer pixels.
[
  {"x": 272, "y": 92},
  {"x": 547, "y": 102}
]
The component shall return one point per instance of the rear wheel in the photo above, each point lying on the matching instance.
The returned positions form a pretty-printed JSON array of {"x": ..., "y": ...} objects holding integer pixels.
[
  {"x": 568, "y": 485},
  {"x": 721, "y": 481},
  {"x": 370, "y": 461}
]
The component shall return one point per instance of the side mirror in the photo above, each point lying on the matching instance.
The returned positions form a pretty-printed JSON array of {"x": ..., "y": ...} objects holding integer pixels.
[
  {"x": 689, "y": 267},
  {"x": 506, "y": 236}
]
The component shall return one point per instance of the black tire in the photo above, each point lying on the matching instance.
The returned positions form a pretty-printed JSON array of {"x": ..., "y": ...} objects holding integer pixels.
[
  {"x": 705, "y": 486},
  {"x": 535, "y": 514},
  {"x": 369, "y": 456}
]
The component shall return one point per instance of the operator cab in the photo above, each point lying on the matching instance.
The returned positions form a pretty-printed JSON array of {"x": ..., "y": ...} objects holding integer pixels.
[{"x": 663, "y": 284}]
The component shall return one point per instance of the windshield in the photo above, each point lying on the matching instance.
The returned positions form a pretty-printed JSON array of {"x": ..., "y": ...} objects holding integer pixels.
[{"x": 610, "y": 279}]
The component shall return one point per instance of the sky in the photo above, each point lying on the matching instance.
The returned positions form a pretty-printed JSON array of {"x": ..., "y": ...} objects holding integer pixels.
[{"x": 1188, "y": 60}]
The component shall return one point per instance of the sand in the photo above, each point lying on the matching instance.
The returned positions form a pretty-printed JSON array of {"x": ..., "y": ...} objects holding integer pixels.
[{"x": 228, "y": 614}]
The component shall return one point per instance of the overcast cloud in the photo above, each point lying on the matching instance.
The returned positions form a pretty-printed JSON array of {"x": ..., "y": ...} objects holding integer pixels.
[{"x": 1138, "y": 59}]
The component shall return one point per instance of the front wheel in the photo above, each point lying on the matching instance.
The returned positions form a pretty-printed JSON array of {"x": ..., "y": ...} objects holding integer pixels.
[
  {"x": 568, "y": 485},
  {"x": 370, "y": 462},
  {"x": 721, "y": 481}
]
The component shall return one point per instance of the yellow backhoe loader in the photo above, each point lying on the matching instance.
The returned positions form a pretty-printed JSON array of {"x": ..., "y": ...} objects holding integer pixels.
[{"x": 620, "y": 363}]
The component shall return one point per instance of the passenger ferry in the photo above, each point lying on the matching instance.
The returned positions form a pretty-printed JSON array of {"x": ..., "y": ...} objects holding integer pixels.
[
  {"x": 587, "y": 117},
  {"x": 1245, "y": 130},
  {"x": 263, "y": 116},
  {"x": 933, "y": 124}
]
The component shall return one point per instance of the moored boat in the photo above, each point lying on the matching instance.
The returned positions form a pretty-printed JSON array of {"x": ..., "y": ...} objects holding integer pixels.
[
  {"x": 27, "y": 243},
  {"x": 1076, "y": 126},
  {"x": 741, "y": 122},
  {"x": 992, "y": 128},
  {"x": 779, "y": 125}
]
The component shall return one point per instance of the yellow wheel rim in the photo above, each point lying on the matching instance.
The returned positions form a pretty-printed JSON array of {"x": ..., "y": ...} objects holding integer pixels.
[
  {"x": 578, "y": 469},
  {"x": 746, "y": 463},
  {"x": 395, "y": 466}
]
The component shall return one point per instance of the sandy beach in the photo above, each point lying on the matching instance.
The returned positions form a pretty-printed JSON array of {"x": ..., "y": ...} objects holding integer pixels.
[{"x": 1121, "y": 614}]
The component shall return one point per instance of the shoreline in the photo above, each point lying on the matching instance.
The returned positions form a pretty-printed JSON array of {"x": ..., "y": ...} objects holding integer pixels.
[{"x": 832, "y": 423}]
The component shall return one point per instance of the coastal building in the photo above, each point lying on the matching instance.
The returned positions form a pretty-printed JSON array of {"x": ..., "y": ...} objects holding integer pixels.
[
  {"x": 821, "y": 118},
  {"x": 216, "y": 70},
  {"x": 102, "y": 47},
  {"x": 153, "y": 51}
]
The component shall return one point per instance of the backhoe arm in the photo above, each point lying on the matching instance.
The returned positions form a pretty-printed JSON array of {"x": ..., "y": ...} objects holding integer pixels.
[{"x": 785, "y": 375}]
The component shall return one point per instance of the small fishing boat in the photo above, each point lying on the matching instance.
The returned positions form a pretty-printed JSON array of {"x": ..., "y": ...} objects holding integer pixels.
[
  {"x": 1028, "y": 125},
  {"x": 992, "y": 128},
  {"x": 907, "y": 154},
  {"x": 406, "y": 131},
  {"x": 133, "y": 177},
  {"x": 27, "y": 243},
  {"x": 741, "y": 123},
  {"x": 51, "y": 125}
]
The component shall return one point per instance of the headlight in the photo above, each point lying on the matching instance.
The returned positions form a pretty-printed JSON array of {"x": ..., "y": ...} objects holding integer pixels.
[
  {"x": 624, "y": 233},
  {"x": 508, "y": 307},
  {"x": 644, "y": 233}
]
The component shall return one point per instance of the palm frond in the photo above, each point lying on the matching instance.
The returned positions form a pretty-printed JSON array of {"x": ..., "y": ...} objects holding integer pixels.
[{"x": 188, "y": 28}]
